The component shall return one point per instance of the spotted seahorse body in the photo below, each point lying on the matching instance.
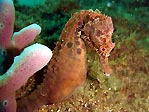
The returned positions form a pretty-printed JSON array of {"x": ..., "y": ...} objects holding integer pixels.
[{"x": 67, "y": 68}]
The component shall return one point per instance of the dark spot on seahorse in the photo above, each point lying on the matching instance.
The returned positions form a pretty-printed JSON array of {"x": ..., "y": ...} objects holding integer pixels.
[
  {"x": 69, "y": 44},
  {"x": 77, "y": 42},
  {"x": 78, "y": 50},
  {"x": 103, "y": 49}
]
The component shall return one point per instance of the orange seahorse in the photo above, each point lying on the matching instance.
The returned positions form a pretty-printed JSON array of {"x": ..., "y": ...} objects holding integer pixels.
[{"x": 67, "y": 68}]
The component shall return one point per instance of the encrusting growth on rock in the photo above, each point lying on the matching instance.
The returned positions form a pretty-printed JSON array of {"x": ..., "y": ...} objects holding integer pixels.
[{"x": 67, "y": 68}]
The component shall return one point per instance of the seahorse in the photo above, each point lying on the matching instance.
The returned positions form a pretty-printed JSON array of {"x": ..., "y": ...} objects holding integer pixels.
[{"x": 68, "y": 67}]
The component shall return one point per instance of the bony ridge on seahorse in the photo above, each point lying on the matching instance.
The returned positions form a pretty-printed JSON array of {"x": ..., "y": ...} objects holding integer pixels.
[{"x": 67, "y": 68}]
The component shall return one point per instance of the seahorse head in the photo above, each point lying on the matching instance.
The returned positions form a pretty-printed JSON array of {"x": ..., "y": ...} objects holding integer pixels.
[
  {"x": 99, "y": 32},
  {"x": 96, "y": 31}
]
